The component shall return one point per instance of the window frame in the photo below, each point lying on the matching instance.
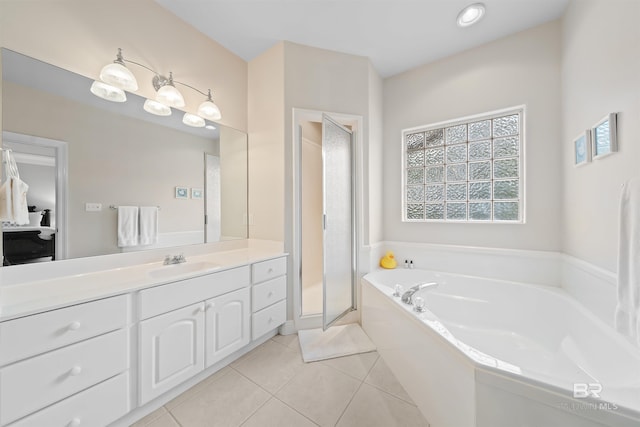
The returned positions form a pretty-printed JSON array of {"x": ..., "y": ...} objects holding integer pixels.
[{"x": 520, "y": 110}]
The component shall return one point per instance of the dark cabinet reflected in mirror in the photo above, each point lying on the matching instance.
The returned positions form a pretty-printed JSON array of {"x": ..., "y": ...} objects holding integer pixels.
[{"x": 83, "y": 157}]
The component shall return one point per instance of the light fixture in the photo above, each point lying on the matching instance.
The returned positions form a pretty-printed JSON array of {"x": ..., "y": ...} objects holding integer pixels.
[
  {"x": 108, "y": 92},
  {"x": 118, "y": 75},
  {"x": 167, "y": 92},
  {"x": 193, "y": 120},
  {"x": 471, "y": 14},
  {"x": 157, "y": 108},
  {"x": 209, "y": 110},
  {"x": 210, "y": 127},
  {"x": 117, "y": 78}
]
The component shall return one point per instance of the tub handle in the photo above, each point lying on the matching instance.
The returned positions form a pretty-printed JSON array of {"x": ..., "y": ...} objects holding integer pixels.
[{"x": 407, "y": 297}]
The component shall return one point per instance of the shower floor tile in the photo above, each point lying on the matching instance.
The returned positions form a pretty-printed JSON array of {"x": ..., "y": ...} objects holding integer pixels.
[{"x": 349, "y": 391}]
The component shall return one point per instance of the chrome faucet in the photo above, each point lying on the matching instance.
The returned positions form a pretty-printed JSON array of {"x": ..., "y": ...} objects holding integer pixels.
[
  {"x": 407, "y": 297},
  {"x": 176, "y": 259}
]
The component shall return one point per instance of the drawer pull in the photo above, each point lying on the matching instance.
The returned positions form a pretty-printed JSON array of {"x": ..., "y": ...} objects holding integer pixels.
[
  {"x": 270, "y": 294},
  {"x": 74, "y": 422},
  {"x": 74, "y": 326},
  {"x": 270, "y": 320},
  {"x": 270, "y": 270},
  {"x": 75, "y": 371}
]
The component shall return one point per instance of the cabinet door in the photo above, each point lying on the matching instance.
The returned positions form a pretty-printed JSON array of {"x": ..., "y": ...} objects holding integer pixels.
[
  {"x": 228, "y": 327},
  {"x": 171, "y": 350}
]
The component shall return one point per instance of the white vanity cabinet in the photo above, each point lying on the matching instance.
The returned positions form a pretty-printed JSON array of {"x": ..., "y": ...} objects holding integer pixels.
[
  {"x": 227, "y": 325},
  {"x": 57, "y": 364},
  {"x": 171, "y": 350},
  {"x": 176, "y": 345},
  {"x": 268, "y": 296}
]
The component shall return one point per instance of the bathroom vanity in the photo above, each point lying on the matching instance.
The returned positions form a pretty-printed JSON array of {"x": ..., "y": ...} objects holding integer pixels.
[{"x": 111, "y": 346}]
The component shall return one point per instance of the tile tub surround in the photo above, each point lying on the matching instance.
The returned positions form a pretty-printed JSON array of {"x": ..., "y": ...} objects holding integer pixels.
[
  {"x": 26, "y": 290},
  {"x": 263, "y": 389}
]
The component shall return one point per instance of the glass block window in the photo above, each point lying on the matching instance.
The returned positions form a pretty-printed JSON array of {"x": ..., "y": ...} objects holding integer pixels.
[{"x": 465, "y": 170}]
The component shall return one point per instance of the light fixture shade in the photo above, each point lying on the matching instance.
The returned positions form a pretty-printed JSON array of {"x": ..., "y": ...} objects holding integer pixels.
[
  {"x": 154, "y": 107},
  {"x": 209, "y": 110},
  {"x": 471, "y": 14},
  {"x": 108, "y": 92},
  {"x": 119, "y": 76},
  {"x": 193, "y": 120},
  {"x": 169, "y": 95}
]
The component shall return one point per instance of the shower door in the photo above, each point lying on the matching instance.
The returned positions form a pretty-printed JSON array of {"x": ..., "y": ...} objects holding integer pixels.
[{"x": 338, "y": 221}]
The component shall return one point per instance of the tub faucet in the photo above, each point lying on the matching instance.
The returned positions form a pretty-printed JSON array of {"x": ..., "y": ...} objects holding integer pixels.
[
  {"x": 176, "y": 259},
  {"x": 407, "y": 297}
]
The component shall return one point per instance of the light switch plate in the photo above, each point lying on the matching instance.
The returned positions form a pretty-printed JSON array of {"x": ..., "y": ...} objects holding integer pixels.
[{"x": 93, "y": 207}]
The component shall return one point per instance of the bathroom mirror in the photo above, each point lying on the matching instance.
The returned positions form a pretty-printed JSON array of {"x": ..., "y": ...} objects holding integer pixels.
[{"x": 84, "y": 156}]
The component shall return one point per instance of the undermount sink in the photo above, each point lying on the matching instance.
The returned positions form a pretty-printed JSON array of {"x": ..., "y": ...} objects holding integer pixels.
[{"x": 172, "y": 270}]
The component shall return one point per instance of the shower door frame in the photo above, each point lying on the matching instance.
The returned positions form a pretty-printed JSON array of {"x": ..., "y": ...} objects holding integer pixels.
[{"x": 356, "y": 123}]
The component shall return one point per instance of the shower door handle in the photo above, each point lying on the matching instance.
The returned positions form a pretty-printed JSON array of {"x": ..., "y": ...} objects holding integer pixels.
[{"x": 324, "y": 221}]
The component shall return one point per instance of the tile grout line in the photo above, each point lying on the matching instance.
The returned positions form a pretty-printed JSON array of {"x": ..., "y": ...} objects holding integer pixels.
[
  {"x": 348, "y": 404},
  {"x": 173, "y": 417},
  {"x": 296, "y": 411},
  {"x": 273, "y": 396}
]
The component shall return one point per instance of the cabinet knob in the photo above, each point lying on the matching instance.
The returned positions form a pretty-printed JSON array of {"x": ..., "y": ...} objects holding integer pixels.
[
  {"x": 270, "y": 294},
  {"x": 270, "y": 270},
  {"x": 270, "y": 320},
  {"x": 75, "y": 371},
  {"x": 201, "y": 309},
  {"x": 208, "y": 305},
  {"x": 74, "y": 422},
  {"x": 74, "y": 326}
]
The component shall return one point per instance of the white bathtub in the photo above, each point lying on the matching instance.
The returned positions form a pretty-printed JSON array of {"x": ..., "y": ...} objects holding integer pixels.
[{"x": 496, "y": 353}]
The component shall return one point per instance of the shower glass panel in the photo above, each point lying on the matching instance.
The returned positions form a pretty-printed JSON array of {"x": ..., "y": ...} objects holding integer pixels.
[{"x": 337, "y": 221}]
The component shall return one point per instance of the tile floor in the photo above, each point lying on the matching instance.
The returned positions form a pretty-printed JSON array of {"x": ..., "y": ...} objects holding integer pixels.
[{"x": 272, "y": 387}]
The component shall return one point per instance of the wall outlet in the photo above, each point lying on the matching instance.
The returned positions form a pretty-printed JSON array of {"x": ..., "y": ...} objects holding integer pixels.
[{"x": 93, "y": 207}]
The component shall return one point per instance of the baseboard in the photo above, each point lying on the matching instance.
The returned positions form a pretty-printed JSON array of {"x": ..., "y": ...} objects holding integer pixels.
[{"x": 287, "y": 328}]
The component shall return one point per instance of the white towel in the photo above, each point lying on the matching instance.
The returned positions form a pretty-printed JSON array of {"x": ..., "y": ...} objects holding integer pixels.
[
  {"x": 627, "y": 316},
  {"x": 13, "y": 201},
  {"x": 148, "y": 225},
  {"x": 127, "y": 226}
]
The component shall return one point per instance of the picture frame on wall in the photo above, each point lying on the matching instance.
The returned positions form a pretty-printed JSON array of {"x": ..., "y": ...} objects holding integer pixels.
[
  {"x": 182, "y": 193},
  {"x": 582, "y": 148},
  {"x": 196, "y": 193},
  {"x": 604, "y": 136}
]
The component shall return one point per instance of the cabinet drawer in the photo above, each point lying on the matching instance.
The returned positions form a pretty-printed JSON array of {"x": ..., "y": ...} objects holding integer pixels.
[
  {"x": 266, "y": 270},
  {"x": 165, "y": 298},
  {"x": 268, "y": 319},
  {"x": 28, "y": 336},
  {"x": 267, "y": 293},
  {"x": 95, "y": 407},
  {"x": 35, "y": 383}
]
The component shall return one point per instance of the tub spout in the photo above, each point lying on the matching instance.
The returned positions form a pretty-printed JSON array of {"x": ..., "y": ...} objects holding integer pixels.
[{"x": 407, "y": 297}]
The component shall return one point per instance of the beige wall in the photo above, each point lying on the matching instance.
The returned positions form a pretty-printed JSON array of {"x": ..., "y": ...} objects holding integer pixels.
[
  {"x": 600, "y": 75},
  {"x": 266, "y": 145},
  {"x": 113, "y": 160},
  {"x": 373, "y": 164},
  {"x": 520, "y": 69},
  {"x": 82, "y": 36},
  {"x": 233, "y": 176},
  {"x": 321, "y": 80}
]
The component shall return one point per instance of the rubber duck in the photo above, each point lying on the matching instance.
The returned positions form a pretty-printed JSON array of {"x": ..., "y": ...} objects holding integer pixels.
[{"x": 388, "y": 261}]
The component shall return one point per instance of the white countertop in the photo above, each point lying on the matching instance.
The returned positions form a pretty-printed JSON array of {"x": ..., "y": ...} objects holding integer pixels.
[{"x": 18, "y": 300}]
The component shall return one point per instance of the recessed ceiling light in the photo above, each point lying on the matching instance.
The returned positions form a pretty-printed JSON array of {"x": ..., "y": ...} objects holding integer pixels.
[{"x": 471, "y": 14}]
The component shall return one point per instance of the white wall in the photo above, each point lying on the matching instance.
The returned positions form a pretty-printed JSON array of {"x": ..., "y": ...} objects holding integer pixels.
[
  {"x": 600, "y": 75},
  {"x": 520, "y": 69}
]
